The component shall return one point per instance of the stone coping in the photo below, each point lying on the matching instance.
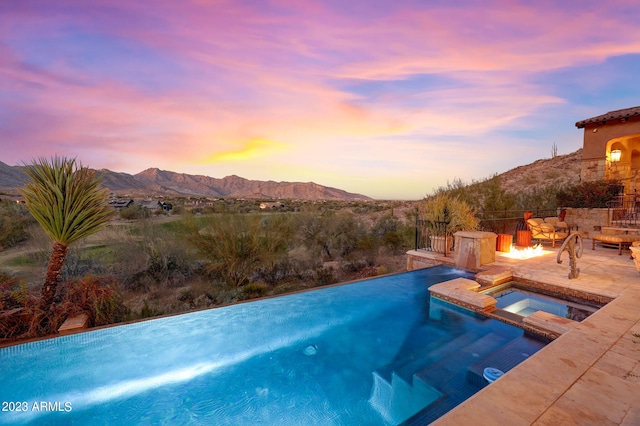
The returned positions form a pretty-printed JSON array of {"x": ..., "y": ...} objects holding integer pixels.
[
  {"x": 549, "y": 322},
  {"x": 462, "y": 290}
]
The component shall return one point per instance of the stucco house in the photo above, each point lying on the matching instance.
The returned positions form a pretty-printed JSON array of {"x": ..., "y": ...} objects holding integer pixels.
[{"x": 611, "y": 148}]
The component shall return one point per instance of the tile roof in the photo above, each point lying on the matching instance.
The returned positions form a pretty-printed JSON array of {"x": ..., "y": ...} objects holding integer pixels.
[{"x": 611, "y": 115}]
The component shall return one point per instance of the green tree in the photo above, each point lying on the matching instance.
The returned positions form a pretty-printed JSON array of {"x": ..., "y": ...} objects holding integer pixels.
[{"x": 66, "y": 199}]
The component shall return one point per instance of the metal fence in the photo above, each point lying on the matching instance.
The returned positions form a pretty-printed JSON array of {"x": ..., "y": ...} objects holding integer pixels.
[
  {"x": 499, "y": 221},
  {"x": 430, "y": 236},
  {"x": 624, "y": 211},
  {"x": 509, "y": 221}
]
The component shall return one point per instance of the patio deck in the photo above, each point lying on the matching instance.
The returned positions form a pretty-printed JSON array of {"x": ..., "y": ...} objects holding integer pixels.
[{"x": 589, "y": 375}]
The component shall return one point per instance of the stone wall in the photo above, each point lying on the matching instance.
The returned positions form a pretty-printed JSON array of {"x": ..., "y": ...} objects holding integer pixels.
[
  {"x": 588, "y": 221},
  {"x": 592, "y": 170}
]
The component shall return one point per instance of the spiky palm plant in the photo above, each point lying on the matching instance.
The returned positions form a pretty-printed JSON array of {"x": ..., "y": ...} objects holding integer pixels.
[{"x": 67, "y": 201}]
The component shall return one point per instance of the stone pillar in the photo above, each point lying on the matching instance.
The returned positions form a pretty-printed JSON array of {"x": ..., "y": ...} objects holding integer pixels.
[{"x": 475, "y": 248}]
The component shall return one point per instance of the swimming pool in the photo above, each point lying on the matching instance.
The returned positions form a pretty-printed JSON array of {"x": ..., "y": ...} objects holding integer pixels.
[{"x": 332, "y": 356}]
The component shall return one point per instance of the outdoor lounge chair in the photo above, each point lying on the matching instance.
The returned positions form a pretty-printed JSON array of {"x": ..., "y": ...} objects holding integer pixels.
[
  {"x": 558, "y": 224},
  {"x": 542, "y": 231}
]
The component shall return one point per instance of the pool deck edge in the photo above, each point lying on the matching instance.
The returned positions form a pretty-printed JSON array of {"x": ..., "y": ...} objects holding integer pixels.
[{"x": 590, "y": 374}]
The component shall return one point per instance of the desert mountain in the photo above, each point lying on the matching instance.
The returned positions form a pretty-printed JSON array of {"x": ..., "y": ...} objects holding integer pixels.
[
  {"x": 160, "y": 182},
  {"x": 561, "y": 170},
  {"x": 11, "y": 177}
]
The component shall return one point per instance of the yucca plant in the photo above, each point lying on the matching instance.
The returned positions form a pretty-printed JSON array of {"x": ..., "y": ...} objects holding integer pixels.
[{"x": 66, "y": 199}]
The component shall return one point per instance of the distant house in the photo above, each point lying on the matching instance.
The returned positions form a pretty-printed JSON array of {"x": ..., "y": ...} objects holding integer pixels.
[
  {"x": 156, "y": 205},
  {"x": 277, "y": 205},
  {"x": 151, "y": 204},
  {"x": 120, "y": 203},
  {"x": 611, "y": 148}
]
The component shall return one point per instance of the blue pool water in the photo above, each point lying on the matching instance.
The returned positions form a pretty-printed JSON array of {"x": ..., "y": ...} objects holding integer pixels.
[{"x": 374, "y": 352}]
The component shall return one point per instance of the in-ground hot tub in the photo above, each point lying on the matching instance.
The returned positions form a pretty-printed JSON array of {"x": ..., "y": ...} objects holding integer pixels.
[{"x": 524, "y": 300}]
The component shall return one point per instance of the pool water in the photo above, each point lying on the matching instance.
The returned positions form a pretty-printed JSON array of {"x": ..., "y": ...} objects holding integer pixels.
[
  {"x": 374, "y": 352},
  {"x": 525, "y": 302}
]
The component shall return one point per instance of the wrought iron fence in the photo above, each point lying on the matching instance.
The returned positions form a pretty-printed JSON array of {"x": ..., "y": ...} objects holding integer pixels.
[
  {"x": 509, "y": 221},
  {"x": 430, "y": 236},
  {"x": 498, "y": 221},
  {"x": 624, "y": 210}
]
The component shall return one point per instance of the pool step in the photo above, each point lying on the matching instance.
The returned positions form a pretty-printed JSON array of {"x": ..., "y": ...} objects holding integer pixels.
[
  {"x": 504, "y": 358},
  {"x": 404, "y": 388},
  {"x": 399, "y": 400},
  {"x": 451, "y": 379},
  {"x": 436, "y": 373},
  {"x": 425, "y": 355},
  {"x": 445, "y": 351}
]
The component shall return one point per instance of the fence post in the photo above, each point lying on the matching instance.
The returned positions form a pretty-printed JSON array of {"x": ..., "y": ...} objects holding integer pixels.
[{"x": 416, "y": 245}]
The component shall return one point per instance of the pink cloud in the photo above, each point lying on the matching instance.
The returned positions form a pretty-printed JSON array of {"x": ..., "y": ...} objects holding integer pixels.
[{"x": 276, "y": 71}]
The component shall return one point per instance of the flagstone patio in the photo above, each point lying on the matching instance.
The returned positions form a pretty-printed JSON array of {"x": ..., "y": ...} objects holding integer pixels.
[{"x": 590, "y": 374}]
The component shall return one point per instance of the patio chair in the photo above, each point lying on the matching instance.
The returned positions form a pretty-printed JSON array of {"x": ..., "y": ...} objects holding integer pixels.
[
  {"x": 542, "y": 231},
  {"x": 558, "y": 224}
]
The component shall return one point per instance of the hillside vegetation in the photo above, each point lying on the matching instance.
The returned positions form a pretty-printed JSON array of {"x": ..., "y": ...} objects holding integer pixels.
[{"x": 560, "y": 171}]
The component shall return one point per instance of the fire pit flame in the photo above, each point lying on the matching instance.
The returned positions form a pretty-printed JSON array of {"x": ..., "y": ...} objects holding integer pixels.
[{"x": 525, "y": 253}]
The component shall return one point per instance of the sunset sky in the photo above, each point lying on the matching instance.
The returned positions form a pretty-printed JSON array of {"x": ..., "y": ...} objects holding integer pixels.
[{"x": 387, "y": 98}]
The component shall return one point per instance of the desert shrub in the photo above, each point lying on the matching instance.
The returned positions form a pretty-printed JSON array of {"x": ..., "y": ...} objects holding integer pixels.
[
  {"x": 395, "y": 235},
  {"x": 538, "y": 198},
  {"x": 159, "y": 256},
  {"x": 165, "y": 265},
  {"x": 235, "y": 246},
  {"x": 186, "y": 296},
  {"x": 76, "y": 265},
  {"x": 442, "y": 207},
  {"x": 289, "y": 286},
  {"x": 14, "y": 223},
  {"x": 552, "y": 174},
  {"x": 99, "y": 297},
  {"x": 484, "y": 195},
  {"x": 21, "y": 308},
  {"x": 325, "y": 275},
  {"x": 382, "y": 270},
  {"x": 134, "y": 211},
  {"x": 148, "y": 311},
  {"x": 589, "y": 195},
  {"x": 253, "y": 290},
  {"x": 333, "y": 235},
  {"x": 12, "y": 293},
  {"x": 178, "y": 209},
  {"x": 492, "y": 197},
  {"x": 276, "y": 271}
]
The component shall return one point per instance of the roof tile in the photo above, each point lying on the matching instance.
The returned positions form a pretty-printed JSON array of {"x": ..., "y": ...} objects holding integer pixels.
[{"x": 611, "y": 115}]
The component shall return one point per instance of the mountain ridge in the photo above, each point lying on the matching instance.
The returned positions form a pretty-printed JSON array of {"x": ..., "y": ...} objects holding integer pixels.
[
  {"x": 154, "y": 181},
  {"x": 560, "y": 170}
]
